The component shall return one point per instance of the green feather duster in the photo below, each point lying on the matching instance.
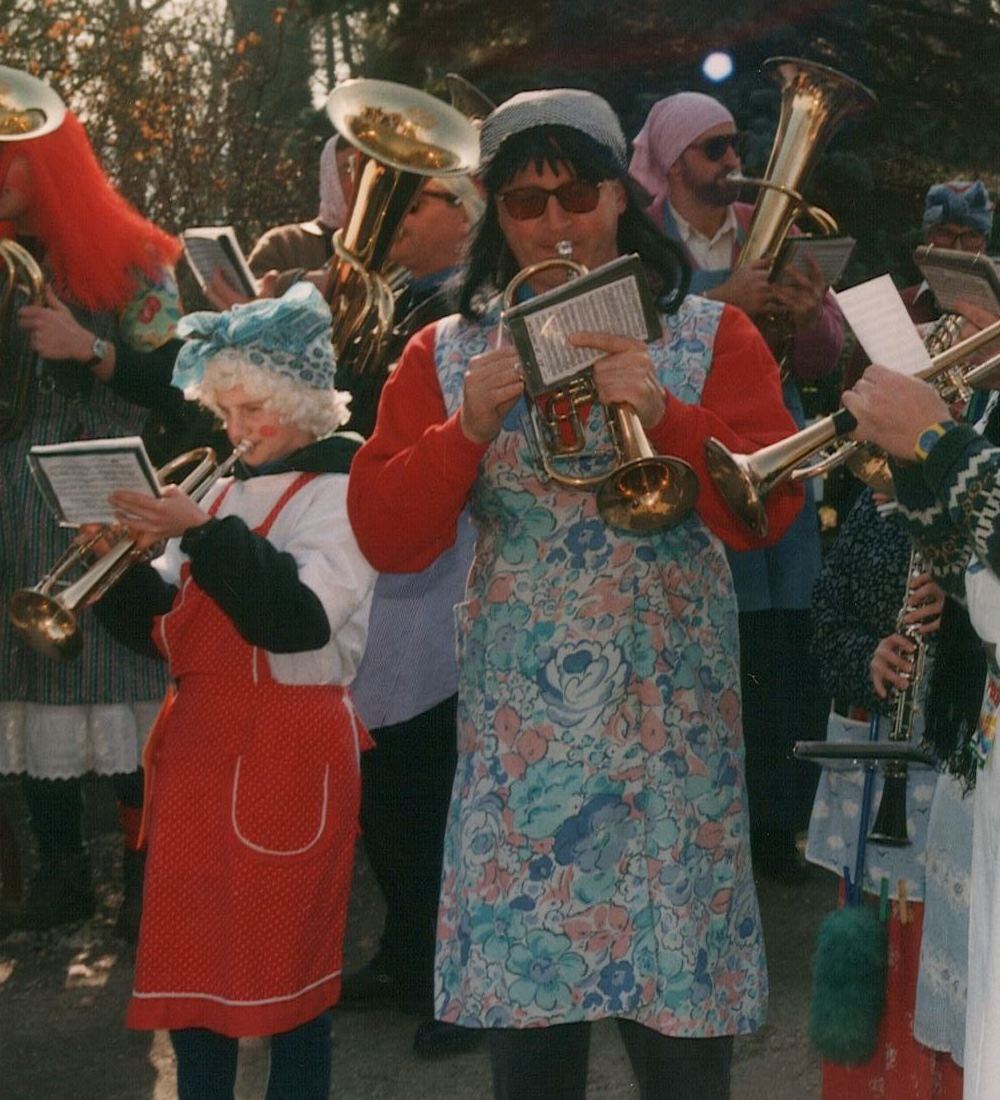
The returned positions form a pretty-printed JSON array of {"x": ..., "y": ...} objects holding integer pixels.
[{"x": 849, "y": 970}]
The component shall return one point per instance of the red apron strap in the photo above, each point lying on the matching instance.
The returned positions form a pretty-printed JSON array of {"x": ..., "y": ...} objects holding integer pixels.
[
  {"x": 219, "y": 499},
  {"x": 286, "y": 496}
]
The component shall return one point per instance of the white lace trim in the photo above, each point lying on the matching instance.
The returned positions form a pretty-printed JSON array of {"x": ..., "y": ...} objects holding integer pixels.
[{"x": 61, "y": 742}]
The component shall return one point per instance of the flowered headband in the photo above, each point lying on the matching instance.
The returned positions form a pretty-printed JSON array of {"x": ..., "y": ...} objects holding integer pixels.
[{"x": 289, "y": 336}]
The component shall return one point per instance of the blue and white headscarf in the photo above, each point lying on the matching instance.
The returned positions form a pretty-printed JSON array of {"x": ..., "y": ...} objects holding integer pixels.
[
  {"x": 959, "y": 202},
  {"x": 288, "y": 336}
]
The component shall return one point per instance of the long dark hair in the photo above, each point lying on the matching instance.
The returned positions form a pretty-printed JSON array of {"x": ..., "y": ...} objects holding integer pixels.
[{"x": 490, "y": 266}]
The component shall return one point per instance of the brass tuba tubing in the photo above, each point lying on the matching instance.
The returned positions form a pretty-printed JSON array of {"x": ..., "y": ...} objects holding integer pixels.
[
  {"x": 404, "y": 136},
  {"x": 815, "y": 100},
  {"x": 744, "y": 480}
]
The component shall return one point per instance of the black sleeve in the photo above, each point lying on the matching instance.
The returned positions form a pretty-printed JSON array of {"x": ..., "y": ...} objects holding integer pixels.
[
  {"x": 128, "y": 608},
  {"x": 143, "y": 377},
  {"x": 257, "y": 586}
]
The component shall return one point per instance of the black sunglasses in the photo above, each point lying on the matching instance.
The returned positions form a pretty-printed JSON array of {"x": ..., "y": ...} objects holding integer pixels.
[
  {"x": 574, "y": 196},
  {"x": 714, "y": 148}
]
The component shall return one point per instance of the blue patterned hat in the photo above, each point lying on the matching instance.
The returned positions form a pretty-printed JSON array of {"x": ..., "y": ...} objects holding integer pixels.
[
  {"x": 289, "y": 336},
  {"x": 959, "y": 202}
]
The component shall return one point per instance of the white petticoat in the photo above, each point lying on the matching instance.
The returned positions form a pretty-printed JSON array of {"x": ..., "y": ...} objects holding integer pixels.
[{"x": 61, "y": 742}]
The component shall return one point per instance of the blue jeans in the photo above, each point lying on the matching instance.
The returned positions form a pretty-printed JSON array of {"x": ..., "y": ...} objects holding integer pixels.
[{"x": 300, "y": 1063}]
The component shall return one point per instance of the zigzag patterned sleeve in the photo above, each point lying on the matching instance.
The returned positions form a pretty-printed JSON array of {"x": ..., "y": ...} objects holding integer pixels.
[{"x": 951, "y": 502}]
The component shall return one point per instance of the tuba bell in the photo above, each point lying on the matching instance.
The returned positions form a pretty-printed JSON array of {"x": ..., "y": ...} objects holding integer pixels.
[
  {"x": 46, "y": 616},
  {"x": 815, "y": 100},
  {"x": 404, "y": 136},
  {"x": 644, "y": 491}
]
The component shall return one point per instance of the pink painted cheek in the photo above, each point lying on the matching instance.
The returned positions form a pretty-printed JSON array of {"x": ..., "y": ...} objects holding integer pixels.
[{"x": 267, "y": 431}]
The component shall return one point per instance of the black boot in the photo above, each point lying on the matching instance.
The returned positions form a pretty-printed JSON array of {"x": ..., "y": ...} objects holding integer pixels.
[
  {"x": 60, "y": 893},
  {"x": 130, "y": 911}
]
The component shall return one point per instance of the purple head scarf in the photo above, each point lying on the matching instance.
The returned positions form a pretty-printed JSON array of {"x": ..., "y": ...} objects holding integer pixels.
[{"x": 671, "y": 126}]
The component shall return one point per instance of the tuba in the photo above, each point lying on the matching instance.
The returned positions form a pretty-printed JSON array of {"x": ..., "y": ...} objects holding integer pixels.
[
  {"x": 644, "y": 491},
  {"x": 29, "y": 109},
  {"x": 46, "y": 616},
  {"x": 815, "y": 100},
  {"x": 21, "y": 284},
  {"x": 404, "y": 136},
  {"x": 745, "y": 480}
]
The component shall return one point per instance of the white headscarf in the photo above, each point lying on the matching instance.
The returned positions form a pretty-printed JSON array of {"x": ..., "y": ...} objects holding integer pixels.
[{"x": 332, "y": 204}]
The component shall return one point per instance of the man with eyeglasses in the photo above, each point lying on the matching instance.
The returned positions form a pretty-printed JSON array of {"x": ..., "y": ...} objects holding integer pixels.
[
  {"x": 958, "y": 214},
  {"x": 684, "y": 157}
]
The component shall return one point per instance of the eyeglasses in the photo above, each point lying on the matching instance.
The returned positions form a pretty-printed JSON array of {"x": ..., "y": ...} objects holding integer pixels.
[
  {"x": 965, "y": 239},
  {"x": 714, "y": 148},
  {"x": 574, "y": 196},
  {"x": 445, "y": 196}
]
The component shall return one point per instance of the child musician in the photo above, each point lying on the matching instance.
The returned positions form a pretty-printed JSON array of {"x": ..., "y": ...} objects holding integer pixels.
[{"x": 260, "y": 605}]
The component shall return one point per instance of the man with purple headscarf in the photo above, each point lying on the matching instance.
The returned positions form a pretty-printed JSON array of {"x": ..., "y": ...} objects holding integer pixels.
[{"x": 683, "y": 157}]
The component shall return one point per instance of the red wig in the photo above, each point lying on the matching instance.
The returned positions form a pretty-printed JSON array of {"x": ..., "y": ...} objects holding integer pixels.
[{"x": 96, "y": 242}]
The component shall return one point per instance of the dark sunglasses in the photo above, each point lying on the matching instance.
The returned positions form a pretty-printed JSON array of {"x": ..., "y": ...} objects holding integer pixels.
[
  {"x": 714, "y": 148},
  {"x": 574, "y": 196}
]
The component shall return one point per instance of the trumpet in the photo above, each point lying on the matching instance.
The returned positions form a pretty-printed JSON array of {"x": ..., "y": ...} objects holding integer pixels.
[
  {"x": 644, "y": 491},
  {"x": 46, "y": 616},
  {"x": 745, "y": 480}
]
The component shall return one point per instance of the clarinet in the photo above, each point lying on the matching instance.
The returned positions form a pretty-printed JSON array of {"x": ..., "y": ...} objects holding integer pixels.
[{"x": 890, "y": 823}]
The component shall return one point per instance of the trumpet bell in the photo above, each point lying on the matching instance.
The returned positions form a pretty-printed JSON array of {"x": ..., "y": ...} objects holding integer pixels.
[
  {"x": 738, "y": 484},
  {"x": 45, "y": 625},
  {"x": 890, "y": 821},
  {"x": 648, "y": 494},
  {"x": 29, "y": 108}
]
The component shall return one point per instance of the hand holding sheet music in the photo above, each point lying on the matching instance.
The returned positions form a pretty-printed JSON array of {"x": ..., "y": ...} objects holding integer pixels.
[
  {"x": 614, "y": 298},
  {"x": 76, "y": 479}
]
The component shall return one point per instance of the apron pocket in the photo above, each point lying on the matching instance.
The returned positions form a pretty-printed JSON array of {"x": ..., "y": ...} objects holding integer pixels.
[{"x": 281, "y": 819}]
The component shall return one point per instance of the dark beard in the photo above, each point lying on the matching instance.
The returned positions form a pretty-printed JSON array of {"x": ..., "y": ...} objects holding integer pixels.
[{"x": 720, "y": 192}]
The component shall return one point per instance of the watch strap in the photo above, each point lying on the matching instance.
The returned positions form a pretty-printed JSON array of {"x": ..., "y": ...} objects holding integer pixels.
[{"x": 929, "y": 437}]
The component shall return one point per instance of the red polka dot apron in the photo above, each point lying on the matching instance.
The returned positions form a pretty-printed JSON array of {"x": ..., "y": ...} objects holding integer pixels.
[{"x": 252, "y": 805}]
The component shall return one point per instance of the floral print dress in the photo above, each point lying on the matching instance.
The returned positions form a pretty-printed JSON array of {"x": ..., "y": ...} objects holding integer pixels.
[{"x": 596, "y": 856}]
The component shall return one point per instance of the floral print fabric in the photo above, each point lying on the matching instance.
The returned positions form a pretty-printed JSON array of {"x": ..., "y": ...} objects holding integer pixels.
[{"x": 596, "y": 857}]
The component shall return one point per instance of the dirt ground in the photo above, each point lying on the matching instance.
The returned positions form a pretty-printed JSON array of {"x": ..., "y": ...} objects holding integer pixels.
[{"x": 63, "y": 997}]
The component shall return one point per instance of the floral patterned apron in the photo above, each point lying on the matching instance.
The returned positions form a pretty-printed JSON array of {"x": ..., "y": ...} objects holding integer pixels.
[{"x": 596, "y": 859}]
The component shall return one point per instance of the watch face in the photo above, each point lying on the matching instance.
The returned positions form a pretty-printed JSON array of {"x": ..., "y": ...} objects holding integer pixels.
[{"x": 928, "y": 438}]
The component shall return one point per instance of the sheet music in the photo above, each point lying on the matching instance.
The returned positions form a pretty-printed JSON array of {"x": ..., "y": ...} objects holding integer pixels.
[
  {"x": 876, "y": 313},
  {"x": 77, "y": 482},
  {"x": 615, "y": 307}
]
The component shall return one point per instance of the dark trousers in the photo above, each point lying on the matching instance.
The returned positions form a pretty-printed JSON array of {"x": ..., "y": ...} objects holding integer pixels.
[
  {"x": 405, "y": 790},
  {"x": 55, "y": 809},
  {"x": 300, "y": 1063},
  {"x": 550, "y": 1063},
  {"x": 783, "y": 702}
]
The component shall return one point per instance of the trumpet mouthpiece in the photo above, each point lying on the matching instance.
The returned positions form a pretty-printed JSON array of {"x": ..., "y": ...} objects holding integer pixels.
[{"x": 564, "y": 249}]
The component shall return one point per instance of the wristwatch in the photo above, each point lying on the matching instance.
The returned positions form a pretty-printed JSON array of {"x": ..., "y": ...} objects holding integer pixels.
[
  {"x": 929, "y": 437},
  {"x": 99, "y": 349}
]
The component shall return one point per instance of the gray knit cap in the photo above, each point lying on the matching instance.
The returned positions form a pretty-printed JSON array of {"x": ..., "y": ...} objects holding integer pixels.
[{"x": 570, "y": 107}]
